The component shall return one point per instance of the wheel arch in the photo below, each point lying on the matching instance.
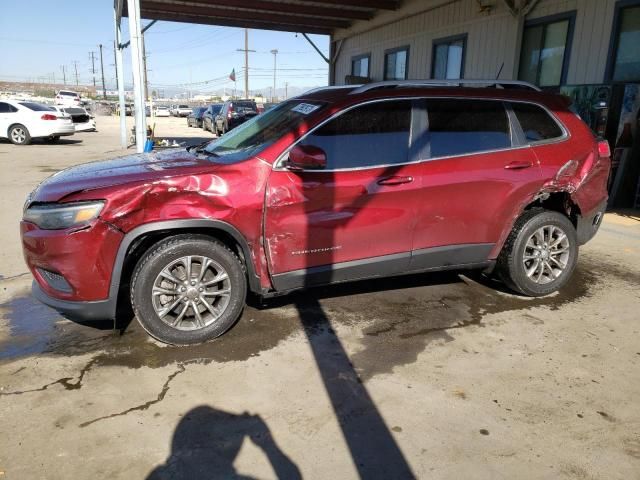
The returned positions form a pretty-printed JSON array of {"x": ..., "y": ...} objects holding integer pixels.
[
  {"x": 136, "y": 242},
  {"x": 558, "y": 201}
]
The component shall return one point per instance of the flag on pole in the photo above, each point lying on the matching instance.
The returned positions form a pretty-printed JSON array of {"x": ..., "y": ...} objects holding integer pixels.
[{"x": 232, "y": 76}]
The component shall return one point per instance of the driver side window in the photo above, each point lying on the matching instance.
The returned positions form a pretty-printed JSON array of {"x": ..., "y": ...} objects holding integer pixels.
[{"x": 370, "y": 135}]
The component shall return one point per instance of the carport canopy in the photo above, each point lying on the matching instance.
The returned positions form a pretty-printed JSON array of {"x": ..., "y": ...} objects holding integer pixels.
[{"x": 303, "y": 16}]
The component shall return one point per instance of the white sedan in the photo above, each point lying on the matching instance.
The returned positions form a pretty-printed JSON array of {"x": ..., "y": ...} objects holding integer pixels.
[
  {"x": 162, "y": 112},
  {"x": 21, "y": 122},
  {"x": 82, "y": 120}
]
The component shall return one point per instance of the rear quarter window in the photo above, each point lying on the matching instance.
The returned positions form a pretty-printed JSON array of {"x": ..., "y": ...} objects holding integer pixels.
[{"x": 536, "y": 122}]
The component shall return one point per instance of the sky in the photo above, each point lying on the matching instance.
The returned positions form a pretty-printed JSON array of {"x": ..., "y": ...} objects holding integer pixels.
[{"x": 38, "y": 37}]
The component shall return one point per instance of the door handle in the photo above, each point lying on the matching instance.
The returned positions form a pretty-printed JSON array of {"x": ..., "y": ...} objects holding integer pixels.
[
  {"x": 519, "y": 165},
  {"x": 395, "y": 180}
]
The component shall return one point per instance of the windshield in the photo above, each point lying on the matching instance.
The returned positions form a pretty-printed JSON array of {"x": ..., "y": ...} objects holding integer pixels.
[{"x": 256, "y": 134}]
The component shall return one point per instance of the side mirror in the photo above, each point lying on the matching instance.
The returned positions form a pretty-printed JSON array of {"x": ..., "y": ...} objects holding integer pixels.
[{"x": 306, "y": 157}]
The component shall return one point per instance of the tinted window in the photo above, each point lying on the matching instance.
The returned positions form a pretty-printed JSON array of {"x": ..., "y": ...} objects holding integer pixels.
[
  {"x": 6, "y": 108},
  {"x": 458, "y": 127},
  {"x": 215, "y": 109},
  {"x": 536, "y": 123},
  {"x": 37, "y": 107},
  {"x": 68, "y": 94},
  {"x": 373, "y": 134}
]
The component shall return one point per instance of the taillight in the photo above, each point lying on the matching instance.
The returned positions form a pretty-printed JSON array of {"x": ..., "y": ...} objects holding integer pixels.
[
  {"x": 604, "y": 150},
  {"x": 48, "y": 116},
  {"x": 230, "y": 111}
]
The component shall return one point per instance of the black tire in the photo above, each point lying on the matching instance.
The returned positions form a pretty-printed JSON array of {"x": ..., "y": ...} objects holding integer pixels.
[
  {"x": 162, "y": 255},
  {"x": 511, "y": 266},
  {"x": 19, "y": 135}
]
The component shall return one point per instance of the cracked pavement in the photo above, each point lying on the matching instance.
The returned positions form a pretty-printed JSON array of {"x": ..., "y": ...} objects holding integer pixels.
[{"x": 436, "y": 376}]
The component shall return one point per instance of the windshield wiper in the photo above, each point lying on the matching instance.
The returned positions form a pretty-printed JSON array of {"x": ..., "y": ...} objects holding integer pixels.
[{"x": 198, "y": 148}]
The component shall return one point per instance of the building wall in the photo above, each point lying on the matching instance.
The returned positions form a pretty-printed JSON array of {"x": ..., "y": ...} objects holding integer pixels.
[{"x": 493, "y": 37}]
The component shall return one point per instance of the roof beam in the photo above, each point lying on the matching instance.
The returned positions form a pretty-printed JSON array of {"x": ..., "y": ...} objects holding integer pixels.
[
  {"x": 296, "y": 8},
  {"x": 227, "y": 22},
  {"x": 180, "y": 9},
  {"x": 375, "y": 4}
]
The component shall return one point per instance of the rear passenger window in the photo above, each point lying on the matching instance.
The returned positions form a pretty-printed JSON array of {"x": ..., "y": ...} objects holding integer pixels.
[
  {"x": 6, "y": 108},
  {"x": 373, "y": 134},
  {"x": 459, "y": 127},
  {"x": 536, "y": 122}
]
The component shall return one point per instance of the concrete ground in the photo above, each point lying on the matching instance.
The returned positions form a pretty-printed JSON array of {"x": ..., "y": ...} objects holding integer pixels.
[{"x": 436, "y": 375}]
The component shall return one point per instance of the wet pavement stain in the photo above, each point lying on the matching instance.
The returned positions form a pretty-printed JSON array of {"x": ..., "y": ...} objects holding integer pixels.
[{"x": 397, "y": 318}]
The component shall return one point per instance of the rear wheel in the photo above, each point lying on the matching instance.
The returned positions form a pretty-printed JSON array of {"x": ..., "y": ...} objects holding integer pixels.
[
  {"x": 540, "y": 254},
  {"x": 188, "y": 289},
  {"x": 19, "y": 135}
]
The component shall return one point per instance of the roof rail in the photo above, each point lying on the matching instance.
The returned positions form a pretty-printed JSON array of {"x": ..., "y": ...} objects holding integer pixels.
[
  {"x": 444, "y": 83},
  {"x": 330, "y": 87}
]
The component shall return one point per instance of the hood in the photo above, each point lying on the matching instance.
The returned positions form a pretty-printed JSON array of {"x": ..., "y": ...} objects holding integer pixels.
[{"x": 145, "y": 167}]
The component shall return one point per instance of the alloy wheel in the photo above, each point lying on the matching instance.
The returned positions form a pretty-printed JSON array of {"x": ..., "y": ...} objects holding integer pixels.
[
  {"x": 546, "y": 254},
  {"x": 18, "y": 135},
  {"x": 191, "y": 293}
]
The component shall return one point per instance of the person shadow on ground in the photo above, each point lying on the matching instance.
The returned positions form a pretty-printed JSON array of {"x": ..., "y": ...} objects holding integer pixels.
[{"x": 207, "y": 441}]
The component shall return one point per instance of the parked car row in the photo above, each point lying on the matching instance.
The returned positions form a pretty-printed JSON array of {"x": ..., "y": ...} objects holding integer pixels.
[
  {"x": 21, "y": 122},
  {"x": 219, "y": 118}
]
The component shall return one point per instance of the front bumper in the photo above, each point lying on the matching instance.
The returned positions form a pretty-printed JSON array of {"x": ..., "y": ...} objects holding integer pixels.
[
  {"x": 83, "y": 311},
  {"x": 72, "y": 265}
]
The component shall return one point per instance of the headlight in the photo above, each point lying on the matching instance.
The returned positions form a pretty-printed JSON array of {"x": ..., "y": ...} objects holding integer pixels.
[{"x": 60, "y": 216}]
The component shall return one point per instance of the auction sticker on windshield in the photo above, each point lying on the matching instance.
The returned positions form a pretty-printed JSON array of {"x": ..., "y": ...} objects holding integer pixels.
[{"x": 305, "y": 108}]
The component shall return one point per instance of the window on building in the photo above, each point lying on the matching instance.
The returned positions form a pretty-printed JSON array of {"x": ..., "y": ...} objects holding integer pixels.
[
  {"x": 360, "y": 65},
  {"x": 546, "y": 43},
  {"x": 448, "y": 58},
  {"x": 366, "y": 136},
  {"x": 460, "y": 127},
  {"x": 624, "y": 62},
  {"x": 396, "y": 63},
  {"x": 536, "y": 123}
]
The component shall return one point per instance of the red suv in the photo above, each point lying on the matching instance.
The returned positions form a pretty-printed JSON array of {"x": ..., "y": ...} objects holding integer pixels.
[{"x": 339, "y": 184}]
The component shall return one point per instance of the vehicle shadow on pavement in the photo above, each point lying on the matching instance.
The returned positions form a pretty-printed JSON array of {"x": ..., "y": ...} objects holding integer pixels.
[
  {"x": 371, "y": 444},
  {"x": 38, "y": 142},
  {"x": 207, "y": 441}
]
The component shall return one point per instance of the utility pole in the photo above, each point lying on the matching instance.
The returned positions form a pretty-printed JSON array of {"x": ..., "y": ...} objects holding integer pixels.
[
  {"x": 275, "y": 53},
  {"x": 286, "y": 87},
  {"x": 246, "y": 61},
  {"x": 64, "y": 75},
  {"x": 75, "y": 66},
  {"x": 144, "y": 66},
  {"x": 115, "y": 56},
  {"x": 92, "y": 55},
  {"x": 104, "y": 88}
]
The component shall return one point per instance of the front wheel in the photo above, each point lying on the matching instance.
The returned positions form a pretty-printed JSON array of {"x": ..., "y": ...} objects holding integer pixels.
[
  {"x": 540, "y": 253},
  {"x": 188, "y": 289}
]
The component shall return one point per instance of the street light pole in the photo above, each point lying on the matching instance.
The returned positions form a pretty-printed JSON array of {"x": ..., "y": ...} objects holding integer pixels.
[{"x": 275, "y": 54}]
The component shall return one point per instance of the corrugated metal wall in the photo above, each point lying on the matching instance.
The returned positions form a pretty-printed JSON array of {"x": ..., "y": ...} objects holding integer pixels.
[{"x": 493, "y": 38}]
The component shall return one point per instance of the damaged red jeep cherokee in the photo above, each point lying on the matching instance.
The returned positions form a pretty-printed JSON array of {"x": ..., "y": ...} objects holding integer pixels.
[{"x": 339, "y": 184}]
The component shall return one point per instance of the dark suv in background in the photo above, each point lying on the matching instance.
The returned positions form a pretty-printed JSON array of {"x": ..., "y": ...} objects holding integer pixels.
[
  {"x": 336, "y": 185},
  {"x": 234, "y": 113},
  {"x": 209, "y": 117},
  {"x": 195, "y": 117}
]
